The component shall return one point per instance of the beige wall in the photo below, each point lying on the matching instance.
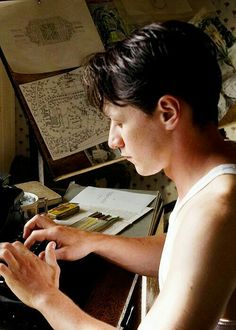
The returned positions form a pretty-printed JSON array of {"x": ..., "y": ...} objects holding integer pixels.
[{"x": 7, "y": 121}]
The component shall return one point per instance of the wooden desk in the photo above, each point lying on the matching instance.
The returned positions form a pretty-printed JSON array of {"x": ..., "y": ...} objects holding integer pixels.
[
  {"x": 101, "y": 289},
  {"x": 117, "y": 291},
  {"x": 107, "y": 291}
]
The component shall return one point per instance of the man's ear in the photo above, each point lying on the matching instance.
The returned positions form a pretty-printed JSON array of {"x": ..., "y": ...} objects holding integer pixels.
[{"x": 169, "y": 111}]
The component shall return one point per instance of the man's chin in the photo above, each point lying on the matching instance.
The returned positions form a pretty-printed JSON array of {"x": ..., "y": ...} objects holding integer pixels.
[{"x": 144, "y": 172}]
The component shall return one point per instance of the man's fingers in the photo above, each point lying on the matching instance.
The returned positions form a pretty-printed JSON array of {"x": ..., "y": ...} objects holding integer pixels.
[
  {"x": 50, "y": 256},
  {"x": 4, "y": 270},
  {"x": 7, "y": 252},
  {"x": 10, "y": 254},
  {"x": 36, "y": 236},
  {"x": 51, "y": 260},
  {"x": 60, "y": 254},
  {"x": 38, "y": 221}
]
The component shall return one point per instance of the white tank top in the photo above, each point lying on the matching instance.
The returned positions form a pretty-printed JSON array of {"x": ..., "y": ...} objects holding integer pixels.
[{"x": 174, "y": 221}]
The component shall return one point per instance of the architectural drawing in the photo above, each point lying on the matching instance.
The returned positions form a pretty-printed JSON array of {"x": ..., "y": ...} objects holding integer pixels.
[
  {"x": 46, "y": 37},
  {"x": 50, "y": 30},
  {"x": 65, "y": 120}
]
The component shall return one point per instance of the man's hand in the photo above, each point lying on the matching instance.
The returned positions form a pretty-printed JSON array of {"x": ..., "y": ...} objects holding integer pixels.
[
  {"x": 29, "y": 277},
  {"x": 71, "y": 243}
]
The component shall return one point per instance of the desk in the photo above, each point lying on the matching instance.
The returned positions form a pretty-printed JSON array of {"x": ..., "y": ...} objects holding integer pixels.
[
  {"x": 118, "y": 290},
  {"x": 101, "y": 289},
  {"x": 112, "y": 290}
]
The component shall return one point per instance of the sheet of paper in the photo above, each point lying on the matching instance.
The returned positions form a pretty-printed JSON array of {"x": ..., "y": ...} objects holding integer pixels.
[
  {"x": 65, "y": 120},
  {"x": 120, "y": 225},
  {"x": 114, "y": 199},
  {"x": 49, "y": 36}
]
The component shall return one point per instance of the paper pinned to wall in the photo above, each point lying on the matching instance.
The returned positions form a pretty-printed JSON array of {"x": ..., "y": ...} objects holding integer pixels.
[
  {"x": 46, "y": 37},
  {"x": 67, "y": 123}
]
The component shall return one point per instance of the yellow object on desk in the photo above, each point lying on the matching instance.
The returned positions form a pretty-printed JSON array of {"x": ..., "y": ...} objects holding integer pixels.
[
  {"x": 96, "y": 222},
  {"x": 64, "y": 210}
]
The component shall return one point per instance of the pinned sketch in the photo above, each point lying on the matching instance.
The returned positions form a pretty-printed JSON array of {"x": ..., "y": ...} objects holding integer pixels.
[
  {"x": 65, "y": 120},
  {"x": 45, "y": 37},
  {"x": 50, "y": 30}
]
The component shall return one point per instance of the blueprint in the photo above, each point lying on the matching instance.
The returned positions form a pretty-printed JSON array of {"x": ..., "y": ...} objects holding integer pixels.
[
  {"x": 46, "y": 37},
  {"x": 65, "y": 120}
]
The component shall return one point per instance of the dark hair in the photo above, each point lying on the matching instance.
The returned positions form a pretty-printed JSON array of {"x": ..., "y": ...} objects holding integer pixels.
[{"x": 174, "y": 58}]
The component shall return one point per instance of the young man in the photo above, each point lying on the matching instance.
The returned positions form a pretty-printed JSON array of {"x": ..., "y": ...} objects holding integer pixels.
[{"x": 160, "y": 88}]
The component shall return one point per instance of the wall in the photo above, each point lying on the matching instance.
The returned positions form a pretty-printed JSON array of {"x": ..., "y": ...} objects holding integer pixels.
[
  {"x": 7, "y": 121},
  {"x": 227, "y": 13}
]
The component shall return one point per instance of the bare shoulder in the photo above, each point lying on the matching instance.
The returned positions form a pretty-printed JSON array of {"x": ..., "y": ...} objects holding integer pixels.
[
  {"x": 215, "y": 203},
  {"x": 208, "y": 221},
  {"x": 223, "y": 190}
]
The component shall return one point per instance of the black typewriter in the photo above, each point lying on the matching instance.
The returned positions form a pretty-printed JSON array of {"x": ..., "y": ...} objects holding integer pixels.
[
  {"x": 76, "y": 279},
  {"x": 11, "y": 216},
  {"x": 14, "y": 314}
]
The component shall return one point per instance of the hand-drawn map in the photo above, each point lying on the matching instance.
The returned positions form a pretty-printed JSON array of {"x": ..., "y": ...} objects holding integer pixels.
[{"x": 65, "y": 120}]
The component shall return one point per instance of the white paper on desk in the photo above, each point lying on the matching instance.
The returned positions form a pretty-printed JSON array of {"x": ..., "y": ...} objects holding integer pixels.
[
  {"x": 129, "y": 206},
  {"x": 120, "y": 225},
  {"x": 113, "y": 199}
]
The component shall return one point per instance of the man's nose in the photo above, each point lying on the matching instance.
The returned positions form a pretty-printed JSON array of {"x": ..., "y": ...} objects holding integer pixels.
[{"x": 115, "y": 140}]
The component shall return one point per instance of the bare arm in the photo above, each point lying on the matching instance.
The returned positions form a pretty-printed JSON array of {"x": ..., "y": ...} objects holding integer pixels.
[
  {"x": 139, "y": 255},
  {"x": 66, "y": 315}
]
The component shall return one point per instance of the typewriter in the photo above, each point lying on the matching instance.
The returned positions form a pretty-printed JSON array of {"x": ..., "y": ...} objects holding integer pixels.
[
  {"x": 14, "y": 314},
  {"x": 11, "y": 216},
  {"x": 76, "y": 279}
]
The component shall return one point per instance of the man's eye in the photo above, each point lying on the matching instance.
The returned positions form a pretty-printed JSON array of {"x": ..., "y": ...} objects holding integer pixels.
[{"x": 118, "y": 123}]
